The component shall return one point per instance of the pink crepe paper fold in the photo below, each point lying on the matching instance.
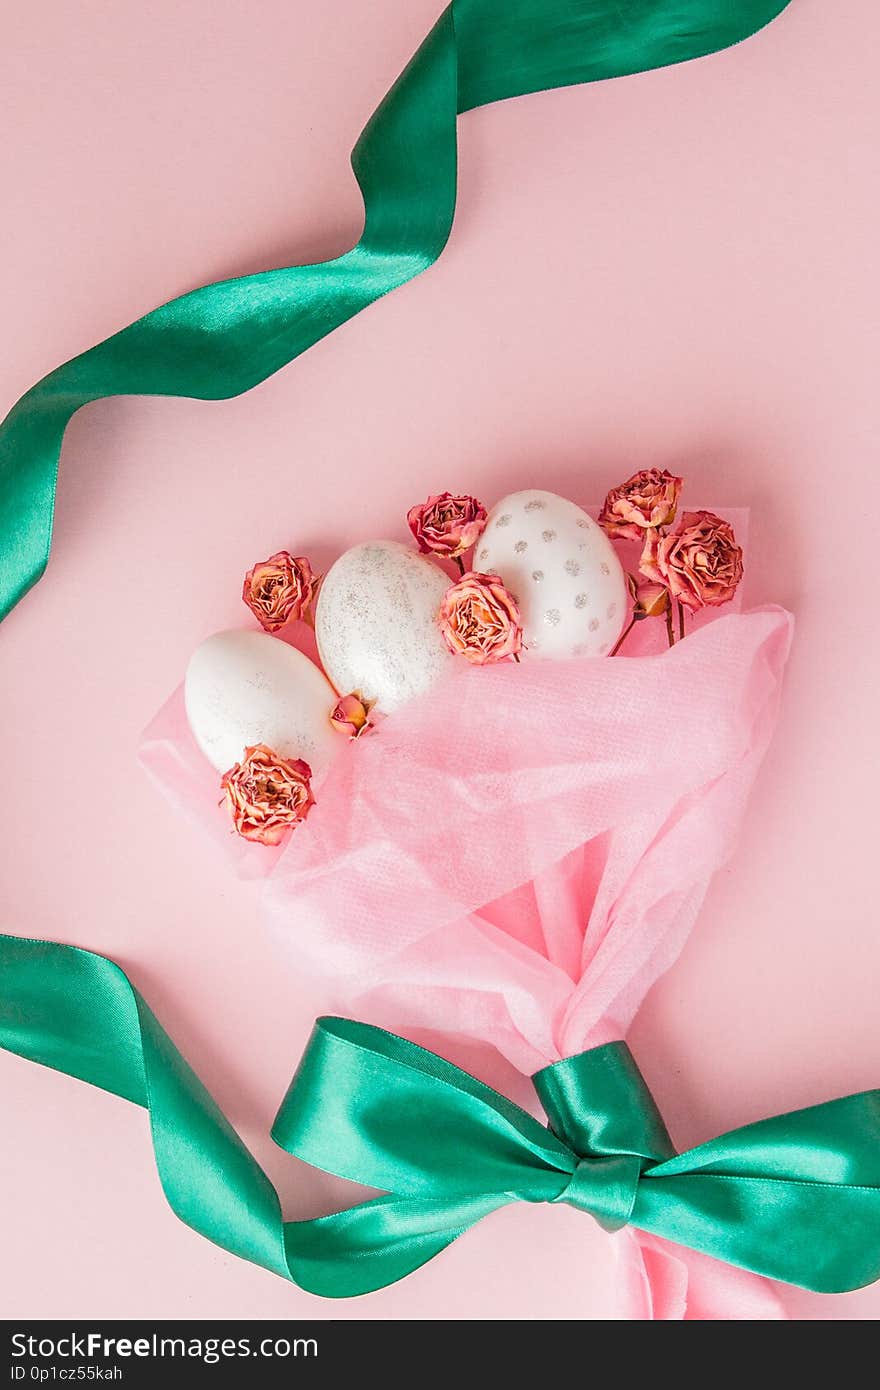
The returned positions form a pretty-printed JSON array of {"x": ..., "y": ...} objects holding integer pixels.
[{"x": 659, "y": 1282}]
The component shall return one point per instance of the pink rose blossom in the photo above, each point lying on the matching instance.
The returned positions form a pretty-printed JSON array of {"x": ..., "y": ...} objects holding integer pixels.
[
  {"x": 279, "y": 589},
  {"x": 646, "y": 500},
  {"x": 447, "y": 525},
  {"x": 266, "y": 795},
  {"x": 700, "y": 562},
  {"x": 480, "y": 620}
]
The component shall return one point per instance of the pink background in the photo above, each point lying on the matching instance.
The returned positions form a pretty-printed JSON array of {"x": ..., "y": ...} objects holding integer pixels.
[{"x": 675, "y": 269}]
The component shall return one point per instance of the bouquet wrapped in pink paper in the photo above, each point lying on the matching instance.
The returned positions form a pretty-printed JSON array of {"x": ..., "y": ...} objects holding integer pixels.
[
  {"x": 514, "y": 855},
  {"x": 519, "y": 857}
]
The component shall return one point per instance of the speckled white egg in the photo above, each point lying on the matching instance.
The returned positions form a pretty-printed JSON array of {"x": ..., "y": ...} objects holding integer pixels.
[
  {"x": 244, "y": 688},
  {"x": 376, "y": 623},
  {"x": 563, "y": 570}
]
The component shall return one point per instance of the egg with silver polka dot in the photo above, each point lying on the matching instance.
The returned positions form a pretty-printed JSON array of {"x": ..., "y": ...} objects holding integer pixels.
[
  {"x": 376, "y": 623},
  {"x": 563, "y": 571}
]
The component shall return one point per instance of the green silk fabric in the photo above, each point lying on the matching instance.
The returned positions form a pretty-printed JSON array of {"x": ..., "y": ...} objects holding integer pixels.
[
  {"x": 222, "y": 339},
  {"x": 796, "y": 1197}
]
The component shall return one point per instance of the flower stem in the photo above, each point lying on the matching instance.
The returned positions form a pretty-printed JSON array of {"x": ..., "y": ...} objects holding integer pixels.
[
  {"x": 622, "y": 638},
  {"x": 669, "y": 633},
  {"x": 460, "y": 563},
  {"x": 680, "y": 619}
]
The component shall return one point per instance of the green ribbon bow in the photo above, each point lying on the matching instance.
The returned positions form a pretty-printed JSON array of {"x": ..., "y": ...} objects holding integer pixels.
[
  {"x": 223, "y": 339},
  {"x": 796, "y": 1197}
]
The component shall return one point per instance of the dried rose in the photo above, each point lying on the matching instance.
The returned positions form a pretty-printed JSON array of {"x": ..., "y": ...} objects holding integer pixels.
[
  {"x": 650, "y": 599},
  {"x": 266, "y": 795},
  {"x": 351, "y": 715},
  {"x": 447, "y": 525},
  {"x": 480, "y": 620},
  {"x": 646, "y": 500},
  {"x": 279, "y": 589},
  {"x": 700, "y": 562}
]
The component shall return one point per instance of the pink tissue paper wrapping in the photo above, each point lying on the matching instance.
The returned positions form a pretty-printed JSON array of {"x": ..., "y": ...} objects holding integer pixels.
[{"x": 518, "y": 856}]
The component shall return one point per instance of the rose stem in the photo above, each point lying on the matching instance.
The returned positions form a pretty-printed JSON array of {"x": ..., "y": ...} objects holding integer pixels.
[
  {"x": 669, "y": 633},
  {"x": 680, "y": 618},
  {"x": 460, "y": 563},
  {"x": 622, "y": 638}
]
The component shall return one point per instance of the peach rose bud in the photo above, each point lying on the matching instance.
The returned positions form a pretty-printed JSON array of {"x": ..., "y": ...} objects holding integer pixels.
[
  {"x": 351, "y": 716},
  {"x": 650, "y": 599},
  {"x": 700, "y": 563},
  {"x": 646, "y": 500},
  {"x": 279, "y": 589},
  {"x": 266, "y": 796},
  {"x": 447, "y": 525},
  {"x": 480, "y": 620}
]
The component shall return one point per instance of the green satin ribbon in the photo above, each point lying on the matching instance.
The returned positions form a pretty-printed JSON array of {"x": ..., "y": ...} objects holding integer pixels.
[
  {"x": 223, "y": 339},
  {"x": 796, "y": 1197}
]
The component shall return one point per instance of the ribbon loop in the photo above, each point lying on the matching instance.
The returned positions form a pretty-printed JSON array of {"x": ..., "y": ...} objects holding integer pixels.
[{"x": 599, "y": 1104}]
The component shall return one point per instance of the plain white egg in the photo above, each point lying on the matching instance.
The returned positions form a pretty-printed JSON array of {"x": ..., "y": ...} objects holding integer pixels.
[
  {"x": 562, "y": 569},
  {"x": 244, "y": 688},
  {"x": 376, "y": 623}
]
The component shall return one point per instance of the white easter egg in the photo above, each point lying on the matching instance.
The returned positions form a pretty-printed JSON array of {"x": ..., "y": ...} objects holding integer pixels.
[
  {"x": 376, "y": 623},
  {"x": 563, "y": 571},
  {"x": 244, "y": 688}
]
